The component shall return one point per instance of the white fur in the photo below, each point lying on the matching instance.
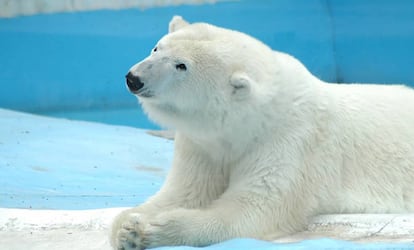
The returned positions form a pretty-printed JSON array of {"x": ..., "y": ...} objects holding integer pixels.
[{"x": 262, "y": 145}]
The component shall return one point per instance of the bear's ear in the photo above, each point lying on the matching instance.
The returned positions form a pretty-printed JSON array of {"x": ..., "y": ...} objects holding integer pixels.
[
  {"x": 176, "y": 23},
  {"x": 241, "y": 85}
]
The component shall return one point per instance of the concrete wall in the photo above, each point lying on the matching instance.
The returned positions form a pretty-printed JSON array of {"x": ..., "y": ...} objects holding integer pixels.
[
  {"x": 78, "y": 60},
  {"x": 12, "y": 8}
]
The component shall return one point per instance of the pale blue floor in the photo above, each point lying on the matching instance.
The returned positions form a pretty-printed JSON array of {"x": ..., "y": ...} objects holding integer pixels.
[
  {"x": 250, "y": 244},
  {"x": 61, "y": 164}
]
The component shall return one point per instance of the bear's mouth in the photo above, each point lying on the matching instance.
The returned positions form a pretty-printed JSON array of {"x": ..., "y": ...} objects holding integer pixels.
[{"x": 144, "y": 93}]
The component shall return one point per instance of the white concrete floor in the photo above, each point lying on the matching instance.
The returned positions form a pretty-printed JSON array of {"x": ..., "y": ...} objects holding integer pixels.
[
  {"x": 22, "y": 229},
  {"x": 89, "y": 229},
  {"x": 392, "y": 228}
]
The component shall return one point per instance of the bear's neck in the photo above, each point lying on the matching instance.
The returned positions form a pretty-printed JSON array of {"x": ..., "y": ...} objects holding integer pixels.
[
  {"x": 221, "y": 147},
  {"x": 233, "y": 138}
]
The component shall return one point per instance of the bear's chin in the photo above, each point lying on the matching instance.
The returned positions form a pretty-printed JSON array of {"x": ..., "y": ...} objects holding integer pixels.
[
  {"x": 170, "y": 116},
  {"x": 163, "y": 114}
]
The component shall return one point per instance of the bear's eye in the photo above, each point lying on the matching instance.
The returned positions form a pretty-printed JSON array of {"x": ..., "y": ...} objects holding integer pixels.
[
  {"x": 155, "y": 49},
  {"x": 181, "y": 66}
]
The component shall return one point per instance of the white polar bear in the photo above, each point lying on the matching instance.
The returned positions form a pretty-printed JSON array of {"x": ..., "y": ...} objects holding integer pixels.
[{"x": 261, "y": 144}]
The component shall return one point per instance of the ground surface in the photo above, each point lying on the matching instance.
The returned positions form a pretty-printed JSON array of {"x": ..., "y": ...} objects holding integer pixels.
[
  {"x": 56, "y": 176},
  {"x": 88, "y": 229}
]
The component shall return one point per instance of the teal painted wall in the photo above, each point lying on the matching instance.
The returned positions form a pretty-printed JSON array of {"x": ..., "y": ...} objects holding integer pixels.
[{"x": 78, "y": 60}]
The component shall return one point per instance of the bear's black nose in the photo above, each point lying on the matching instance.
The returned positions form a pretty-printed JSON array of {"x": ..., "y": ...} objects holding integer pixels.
[{"x": 133, "y": 82}]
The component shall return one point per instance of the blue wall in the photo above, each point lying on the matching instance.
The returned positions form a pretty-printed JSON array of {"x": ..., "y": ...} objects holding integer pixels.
[
  {"x": 374, "y": 40},
  {"x": 78, "y": 61}
]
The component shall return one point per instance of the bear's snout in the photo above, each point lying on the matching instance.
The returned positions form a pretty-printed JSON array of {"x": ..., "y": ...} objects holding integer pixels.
[{"x": 133, "y": 82}]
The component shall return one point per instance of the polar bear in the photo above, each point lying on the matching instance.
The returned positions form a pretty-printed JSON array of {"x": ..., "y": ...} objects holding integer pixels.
[{"x": 261, "y": 144}]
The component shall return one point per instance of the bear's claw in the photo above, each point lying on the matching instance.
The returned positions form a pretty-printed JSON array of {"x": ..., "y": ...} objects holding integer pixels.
[{"x": 129, "y": 236}]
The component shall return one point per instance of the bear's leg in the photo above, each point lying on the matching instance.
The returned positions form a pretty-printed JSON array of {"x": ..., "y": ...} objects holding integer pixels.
[
  {"x": 191, "y": 183},
  {"x": 233, "y": 215},
  {"x": 126, "y": 226}
]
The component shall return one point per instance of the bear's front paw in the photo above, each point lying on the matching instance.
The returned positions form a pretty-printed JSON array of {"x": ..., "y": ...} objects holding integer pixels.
[
  {"x": 128, "y": 236},
  {"x": 133, "y": 231}
]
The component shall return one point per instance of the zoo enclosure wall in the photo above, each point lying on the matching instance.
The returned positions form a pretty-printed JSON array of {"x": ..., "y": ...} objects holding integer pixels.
[{"x": 77, "y": 60}]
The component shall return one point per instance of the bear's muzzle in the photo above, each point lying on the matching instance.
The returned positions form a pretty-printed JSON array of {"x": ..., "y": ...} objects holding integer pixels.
[{"x": 134, "y": 83}]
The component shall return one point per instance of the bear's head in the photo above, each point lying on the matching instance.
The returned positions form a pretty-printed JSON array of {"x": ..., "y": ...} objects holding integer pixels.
[{"x": 199, "y": 77}]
